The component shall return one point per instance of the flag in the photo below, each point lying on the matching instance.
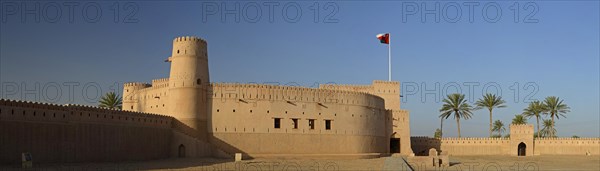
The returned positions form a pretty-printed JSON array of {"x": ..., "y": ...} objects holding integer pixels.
[{"x": 384, "y": 38}]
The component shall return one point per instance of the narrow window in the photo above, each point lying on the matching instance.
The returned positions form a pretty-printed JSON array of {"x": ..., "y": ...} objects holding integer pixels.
[
  {"x": 295, "y": 123},
  {"x": 198, "y": 81},
  {"x": 327, "y": 124},
  {"x": 131, "y": 107},
  {"x": 311, "y": 123},
  {"x": 277, "y": 122}
]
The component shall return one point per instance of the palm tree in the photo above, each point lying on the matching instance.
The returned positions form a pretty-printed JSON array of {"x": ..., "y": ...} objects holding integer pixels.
[
  {"x": 548, "y": 130},
  {"x": 535, "y": 109},
  {"x": 555, "y": 108},
  {"x": 437, "y": 134},
  {"x": 110, "y": 100},
  {"x": 457, "y": 106},
  {"x": 490, "y": 101},
  {"x": 519, "y": 119},
  {"x": 499, "y": 127}
]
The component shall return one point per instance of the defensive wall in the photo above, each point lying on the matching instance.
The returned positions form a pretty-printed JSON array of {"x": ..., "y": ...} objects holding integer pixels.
[
  {"x": 243, "y": 119},
  {"x": 75, "y": 133},
  {"x": 520, "y": 136}
]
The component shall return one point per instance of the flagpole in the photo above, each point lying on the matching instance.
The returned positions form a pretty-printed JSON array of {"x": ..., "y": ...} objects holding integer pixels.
[{"x": 390, "y": 57}]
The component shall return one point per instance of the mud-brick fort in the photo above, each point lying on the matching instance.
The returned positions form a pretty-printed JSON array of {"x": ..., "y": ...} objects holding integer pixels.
[{"x": 186, "y": 115}]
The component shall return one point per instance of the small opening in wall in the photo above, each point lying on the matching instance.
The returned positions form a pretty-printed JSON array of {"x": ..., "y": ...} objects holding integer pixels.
[
  {"x": 177, "y": 51},
  {"x": 277, "y": 122},
  {"x": 250, "y": 111},
  {"x": 285, "y": 112},
  {"x": 33, "y": 113},
  {"x": 319, "y": 113},
  {"x": 63, "y": 115},
  {"x": 44, "y": 114},
  {"x": 131, "y": 107},
  {"x": 23, "y": 113},
  {"x": 311, "y": 123},
  {"x": 267, "y": 111},
  {"x": 217, "y": 110},
  {"x": 327, "y": 124},
  {"x": 295, "y": 123},
  {"x": 198, "y": 81},
  {"x": 12, "y": 112},
  {"x": 233, "y": 110},
  {"x": 54, "y": 115}
]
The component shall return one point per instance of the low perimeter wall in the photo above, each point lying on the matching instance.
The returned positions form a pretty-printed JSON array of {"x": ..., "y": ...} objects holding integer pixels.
[{"x": 503, "y": 146}]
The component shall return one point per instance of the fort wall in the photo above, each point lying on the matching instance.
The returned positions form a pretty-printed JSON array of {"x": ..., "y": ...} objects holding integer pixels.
[
  {"x": 461, "y": 146},
  {"x": 74, "y": 133},
  {"x": 388, "y": 90},
  {"x": 567, "y": 146},
  {"x": 243, "y": 120}
]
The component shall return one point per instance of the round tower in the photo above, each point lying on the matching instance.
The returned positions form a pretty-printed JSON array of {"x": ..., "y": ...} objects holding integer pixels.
[{"x": 188, "y": 83}]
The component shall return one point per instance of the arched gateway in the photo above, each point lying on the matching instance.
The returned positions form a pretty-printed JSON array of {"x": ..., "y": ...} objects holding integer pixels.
[{"x": 521, "y": 149}]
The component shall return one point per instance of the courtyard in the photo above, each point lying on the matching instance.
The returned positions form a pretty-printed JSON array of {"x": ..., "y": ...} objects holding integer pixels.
[{"x": 385, "y": 163}]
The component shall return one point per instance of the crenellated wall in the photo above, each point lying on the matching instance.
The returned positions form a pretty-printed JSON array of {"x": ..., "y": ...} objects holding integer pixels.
[
  {"x": 520, "y": 135},
  {"x": 567, "y": 146},
  {"x": 75, "y": 133},
  {"x": 461, "y": 146},
  {"x": 243, "y": 120},
  {"x": 388, "y": 90}
]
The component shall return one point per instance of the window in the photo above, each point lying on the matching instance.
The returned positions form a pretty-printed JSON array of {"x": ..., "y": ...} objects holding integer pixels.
[
  {"x": 277, "y": 122},
  {"x": 198, "y": 81},
  {"x": 295, "y": 123},
  {"x": 327, "y": 124},
  {"x": 311, "y": 123}
]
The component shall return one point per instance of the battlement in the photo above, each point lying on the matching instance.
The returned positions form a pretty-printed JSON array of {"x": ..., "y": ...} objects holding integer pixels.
[
  {"x": 189, "y": 39},
  {"x": 78, "y": 107},
  {"x": 521, "y": 125},
  {"x": 160, "y": 80},
  {"x": 136, "y": 84},
  {"x": 386, "y": 82},
  {"x": 569, "y": 138},
  {"x": 457, "y": 138},
  {"x": 285, "y": 87}
]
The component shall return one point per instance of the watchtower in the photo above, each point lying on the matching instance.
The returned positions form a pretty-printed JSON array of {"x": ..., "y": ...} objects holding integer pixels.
[{"x": 189, "y": 83}]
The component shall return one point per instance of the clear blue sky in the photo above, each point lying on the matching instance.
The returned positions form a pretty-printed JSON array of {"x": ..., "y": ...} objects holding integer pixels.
[{"x": 554, "y": 53}]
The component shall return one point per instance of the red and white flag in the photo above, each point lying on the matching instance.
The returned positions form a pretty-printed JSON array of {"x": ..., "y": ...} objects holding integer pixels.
[{"x": 384, "y": 38}]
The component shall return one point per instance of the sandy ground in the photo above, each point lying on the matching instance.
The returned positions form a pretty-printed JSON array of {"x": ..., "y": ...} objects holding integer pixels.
[
  {"x": 386, "y": 163},
  {"x": 562, "y": 162}
]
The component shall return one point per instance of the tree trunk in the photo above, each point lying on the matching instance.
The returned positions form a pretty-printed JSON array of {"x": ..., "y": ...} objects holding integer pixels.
[
  {"x": 441, "y": 127},
  {"x": 552, "y": 130},
  {"x": 490, "y": 123},
  {"x": 538, "y": 126},
  {"x": 458, "y": 126}
]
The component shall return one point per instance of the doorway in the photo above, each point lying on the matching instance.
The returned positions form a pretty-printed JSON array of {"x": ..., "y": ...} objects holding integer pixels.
[
  {"x": 181, "y": 151},
  {"x": 395, "y": 145},
  {"x": 521, "y": 149}
]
